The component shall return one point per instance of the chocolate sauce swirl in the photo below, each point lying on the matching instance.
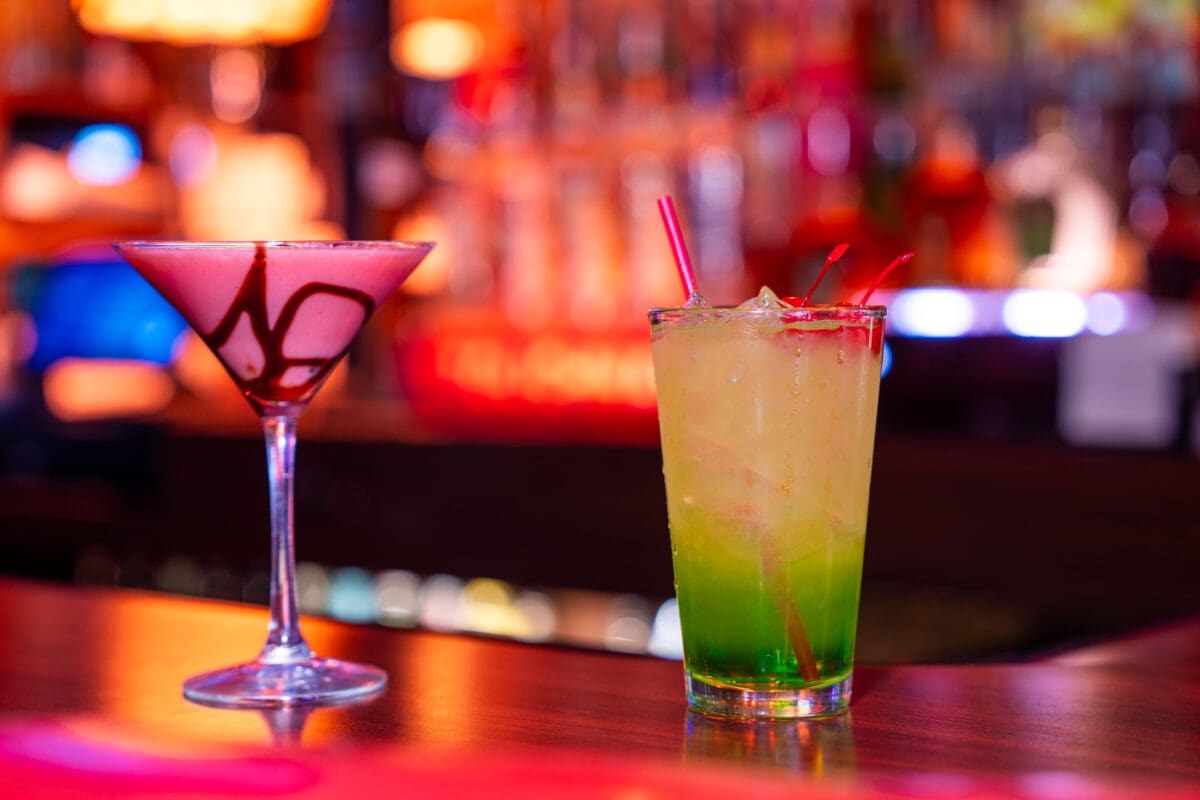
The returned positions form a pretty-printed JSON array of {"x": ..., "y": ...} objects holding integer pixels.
[{"x": 251, "y": 300}]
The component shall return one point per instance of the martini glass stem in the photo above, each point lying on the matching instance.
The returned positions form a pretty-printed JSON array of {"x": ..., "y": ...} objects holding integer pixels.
[{"x": 284, "y": 642}]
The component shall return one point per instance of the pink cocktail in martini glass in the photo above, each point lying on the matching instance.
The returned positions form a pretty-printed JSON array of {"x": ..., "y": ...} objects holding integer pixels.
[{"x": 279, "y": 316}]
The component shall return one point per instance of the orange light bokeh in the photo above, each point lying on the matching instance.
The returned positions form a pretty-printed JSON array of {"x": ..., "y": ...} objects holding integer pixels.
[
  {"x": 437, "y": 49},
  {"x": 190, "y": 22},
  {"x": 80, "y": 389}
]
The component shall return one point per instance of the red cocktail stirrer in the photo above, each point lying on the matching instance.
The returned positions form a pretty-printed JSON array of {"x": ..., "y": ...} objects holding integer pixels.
[
  {"x": 904, "y": 259},
  {"x": 833, "y": 256}
]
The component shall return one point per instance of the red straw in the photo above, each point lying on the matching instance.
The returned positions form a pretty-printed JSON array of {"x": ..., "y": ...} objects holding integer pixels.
[
  {"x": 904, "y": 259},
  {"x": 666, "y": 207},
  {"x": 833, "y": 256}
]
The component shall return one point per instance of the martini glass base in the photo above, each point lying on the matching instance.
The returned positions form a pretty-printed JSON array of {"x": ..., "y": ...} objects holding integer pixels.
[{"x": 311, "y": 681}]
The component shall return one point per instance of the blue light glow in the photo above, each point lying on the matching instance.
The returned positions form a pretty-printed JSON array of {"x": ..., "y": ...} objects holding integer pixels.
[
  {"x": 351, "y": 595},
  {"x": 1044, "y": 314},
  {"x": 887, "y": 361},
  {"x": 100, "y": 309},
  {"x": 104, "y": 155},
  {"x": 933, "y": 313}
]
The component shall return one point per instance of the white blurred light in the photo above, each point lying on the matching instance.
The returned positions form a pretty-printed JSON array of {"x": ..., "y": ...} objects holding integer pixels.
[
  {"x": 1106, "y": 314},
  {"x": 628, "y": 628},
  {"x": 627, "y": 634},
  {"x": 666, "y": 636},
  {"x": 104, "y": 155},
  {"x": 933, "y": 313},
  {"x": 397, "y": 597},
  {"x": 1044, "y": 313},
  {"x": 443, "y": 605},
  {"x": 1033, "y": 173}
]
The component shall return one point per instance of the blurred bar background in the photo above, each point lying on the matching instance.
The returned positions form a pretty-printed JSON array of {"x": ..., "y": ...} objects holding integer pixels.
[{"x": 487, "y": 458}]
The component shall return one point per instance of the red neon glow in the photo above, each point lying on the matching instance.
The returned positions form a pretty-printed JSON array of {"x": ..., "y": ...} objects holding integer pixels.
[
  {"x": 548, "y": 370},
  {"x": 478, "y": 379}
]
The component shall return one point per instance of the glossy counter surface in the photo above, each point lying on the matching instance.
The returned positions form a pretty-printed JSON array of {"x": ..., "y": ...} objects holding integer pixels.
[{"x": 91, "y": 705}]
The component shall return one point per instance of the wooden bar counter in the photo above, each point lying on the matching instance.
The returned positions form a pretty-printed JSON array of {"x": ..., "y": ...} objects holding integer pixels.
[{"x": 90, "y": 706}]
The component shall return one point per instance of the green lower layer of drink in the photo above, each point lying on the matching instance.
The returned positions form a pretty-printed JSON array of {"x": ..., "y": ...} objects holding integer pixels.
[{"x": 731, "y": 605}]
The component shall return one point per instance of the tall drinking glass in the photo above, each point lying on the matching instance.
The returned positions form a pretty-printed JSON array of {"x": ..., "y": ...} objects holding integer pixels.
[
  {"x": 767, "y": 415},
  {"x": 279, "y": 316}
]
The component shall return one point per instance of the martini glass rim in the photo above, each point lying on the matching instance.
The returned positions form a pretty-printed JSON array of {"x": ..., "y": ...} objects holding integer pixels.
[{"x": 304, "y": 244}]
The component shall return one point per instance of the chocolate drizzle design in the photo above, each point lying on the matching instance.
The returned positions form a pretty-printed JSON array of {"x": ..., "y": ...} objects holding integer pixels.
[{"x": 251, "y": 300}]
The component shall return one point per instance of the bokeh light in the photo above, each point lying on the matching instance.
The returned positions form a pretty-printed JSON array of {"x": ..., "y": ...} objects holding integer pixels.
[
  {"x": 666, "y": 635},
  {"x": 351, "y": 595},
  {"x": 36, "y": 186},
  {"x": 237, "y": 79},
  {"x": 829, "y": 141},
  {"x": 398, "y": 597},
  {"x": 624, "y": 623},
  {"x": 192, "y": 156},
  {"x": 1106, "y": 314},
  {"x": 82, "y": 389},
  {"x": 104, "y": 155},
  {"x": 1044, "y": 314},
  {"x": 437, "y": 48},
  {"x": 933, "y": 312},
  {"x": 191, "y": 22}
]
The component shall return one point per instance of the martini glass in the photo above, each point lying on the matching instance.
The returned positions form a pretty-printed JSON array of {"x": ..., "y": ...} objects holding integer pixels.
[{"x": 279, "y": 316}]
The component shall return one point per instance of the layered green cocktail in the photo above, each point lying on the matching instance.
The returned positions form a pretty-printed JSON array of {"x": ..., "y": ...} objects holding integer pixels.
[{"x": 767, "y": 415}]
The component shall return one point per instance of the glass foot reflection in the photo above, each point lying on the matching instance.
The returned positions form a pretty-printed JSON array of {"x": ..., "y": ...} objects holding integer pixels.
[
  {"x": 735, "y": 702},
  {"x": 312, "y": 681}
]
